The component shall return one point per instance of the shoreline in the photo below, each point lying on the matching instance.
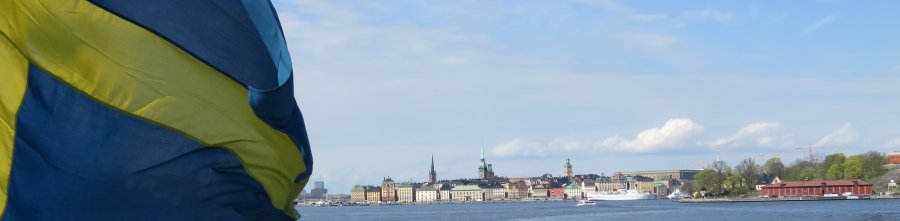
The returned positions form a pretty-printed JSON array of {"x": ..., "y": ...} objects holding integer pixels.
[
  {"x": 780, "y": 199},
  {"x": 312, "y": 204}
]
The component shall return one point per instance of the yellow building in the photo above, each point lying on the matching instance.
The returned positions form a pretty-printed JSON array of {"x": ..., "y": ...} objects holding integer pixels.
[
  {"x": 373, "y": 194},
  {"x": 358, "y": 194},
  {"x": 467, "y": 193}
]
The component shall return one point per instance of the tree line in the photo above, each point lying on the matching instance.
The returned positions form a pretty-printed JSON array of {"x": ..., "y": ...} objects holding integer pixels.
[{"x": 719, "y": 179}]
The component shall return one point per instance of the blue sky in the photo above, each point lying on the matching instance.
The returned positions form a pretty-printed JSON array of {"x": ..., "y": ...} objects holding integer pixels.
[{"x": 613, "y": 85}]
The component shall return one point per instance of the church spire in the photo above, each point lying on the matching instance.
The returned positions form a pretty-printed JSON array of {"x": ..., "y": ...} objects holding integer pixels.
[{"x": 432, "y": 175}]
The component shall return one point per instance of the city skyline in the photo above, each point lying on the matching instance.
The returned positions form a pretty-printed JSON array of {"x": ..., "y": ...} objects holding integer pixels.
[{"x": 610, "y": 84}]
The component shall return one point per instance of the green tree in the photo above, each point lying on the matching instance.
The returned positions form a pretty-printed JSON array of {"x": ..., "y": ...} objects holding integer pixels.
[
  {"x": 774, "y": 167},
  {"x": 733, "y": 181},
  {"x": 832, "y": 159},
  {"x": 873, "y": 164},
  {"x": 808, "y": 172},
  {"x": 748, "y": 171},
  {"x": 853, "y": 167},
  {"x": 835, "y": 171},
  {"x": 709, "y": 180}
]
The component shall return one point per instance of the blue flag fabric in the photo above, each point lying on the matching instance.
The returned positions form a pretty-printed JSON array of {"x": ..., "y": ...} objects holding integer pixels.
[{"x": 148, "y": 110}]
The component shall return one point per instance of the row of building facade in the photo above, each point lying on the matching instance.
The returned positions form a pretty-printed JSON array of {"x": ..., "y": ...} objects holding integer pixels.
[{"x": 490, "y": 187}]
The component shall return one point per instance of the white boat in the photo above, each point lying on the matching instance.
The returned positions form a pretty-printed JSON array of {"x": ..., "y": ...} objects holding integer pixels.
[
  {"x": 586, "y": 203},
  {"x": 621, "y": 195},
  {"x": 676, "y": 195}
]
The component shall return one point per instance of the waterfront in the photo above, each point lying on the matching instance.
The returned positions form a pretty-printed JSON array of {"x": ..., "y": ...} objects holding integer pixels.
[{"x": 618, "y": 210}]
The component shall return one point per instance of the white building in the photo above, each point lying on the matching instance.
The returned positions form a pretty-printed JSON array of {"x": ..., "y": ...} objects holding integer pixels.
[
  {"x": 573, "y": 191},
  {"x": 426, "y": 194},
  {"x": 494, "y": 193},
  {"x": 444, "y": 192}
]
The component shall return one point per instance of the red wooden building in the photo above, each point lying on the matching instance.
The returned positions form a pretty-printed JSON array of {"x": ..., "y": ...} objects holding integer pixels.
[
  {"x": 817, "y": 188},
  {"x": 894, "y": 158},
  {"x": 558, "y": 192}
]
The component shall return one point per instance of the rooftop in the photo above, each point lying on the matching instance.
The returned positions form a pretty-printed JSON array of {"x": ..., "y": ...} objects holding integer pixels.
[
  {"x": 466, "y": 188},
  {"x": 816, "y": 183}
]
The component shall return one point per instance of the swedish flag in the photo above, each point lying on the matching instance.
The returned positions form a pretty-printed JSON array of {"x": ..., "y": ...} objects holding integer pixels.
[{"x": 147, "y": 110}]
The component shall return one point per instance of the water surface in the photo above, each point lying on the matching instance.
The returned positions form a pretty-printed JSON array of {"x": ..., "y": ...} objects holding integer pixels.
[{"x": 618, "y": 210}]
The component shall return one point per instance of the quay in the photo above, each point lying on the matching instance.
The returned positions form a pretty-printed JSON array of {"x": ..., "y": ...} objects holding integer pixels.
[{"x": 772, "y": 199}]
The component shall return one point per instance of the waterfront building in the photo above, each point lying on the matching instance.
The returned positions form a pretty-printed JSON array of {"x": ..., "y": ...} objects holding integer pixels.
[
  {"x": 539, "y": 191},
  {"x": 432, "y": 175},
  {"x": 664, "y": 174},
  {"x": 606, "y": 184},
  {"x": 388, "y": 190},
  {"x": 621, "y": 182},
  {"x": 467, "y": 193},
  {"x": 358, "y": 194},
  {"x": 567, "y": 169},
  {"x": 573, "y": 191},
  {"x": 817, "y": 188},
  {"x": 406, "y": 192},
  {"x": 766, "y": 180},
  {"x": 516, "y": 190},
  {"x": 494, "y": 192},
  {"x": 445, "y": 192},
  {"x": 669, "y": 178},
  {"x": 485, "y": 170},
  {"x": 373, "y": 194},
  {"x": 426, "y": 194},
  {"x": 894, "y": 157},
  {"x": 893, "y": 161},
  {"x": 556, "y": 190},
  {"x": 588, "y": 187}
]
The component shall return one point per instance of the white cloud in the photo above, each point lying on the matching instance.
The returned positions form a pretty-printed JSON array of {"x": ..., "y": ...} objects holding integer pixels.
[
  {"x": 673, "y": 134},
  {"x": 760, "y": 134},
  {"x": 819, "y": 24},
  {"x": 841, "y": 137},
  {"x": 647, "y": 17},
  {"x": 647, "y": 40},
  {"x": 519, "y": 147},
  {"x": 893, "y": 144}
]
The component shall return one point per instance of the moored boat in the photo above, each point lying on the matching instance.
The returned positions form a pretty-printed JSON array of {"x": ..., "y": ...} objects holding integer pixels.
[
  {"x": 586, "y": 203},
  {"x": 676, "y": 195},
  {"x": 621, "y": 195}
]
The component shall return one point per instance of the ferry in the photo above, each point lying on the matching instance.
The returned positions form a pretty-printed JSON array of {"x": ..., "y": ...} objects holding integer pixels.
[
  {"x": 621, "y": 195},
  {"x": 586, "y": 203}
]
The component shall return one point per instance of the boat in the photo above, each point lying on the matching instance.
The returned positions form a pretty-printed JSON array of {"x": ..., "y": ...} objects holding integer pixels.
[
  {"x": 621, "y": 195},
  {"x": 586, "y": 203},
  {"x": 677, "y": 195}
]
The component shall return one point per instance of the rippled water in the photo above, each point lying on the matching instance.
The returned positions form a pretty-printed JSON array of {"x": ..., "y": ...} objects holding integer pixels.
[{"x": 618, "y": 210}]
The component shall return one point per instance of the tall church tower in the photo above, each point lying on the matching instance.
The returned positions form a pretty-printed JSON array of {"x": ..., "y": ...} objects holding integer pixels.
[
  {"x": 567, "y": 169},
  {"x": 485, "y": 170},
  {"x": 432, "y": 175}
]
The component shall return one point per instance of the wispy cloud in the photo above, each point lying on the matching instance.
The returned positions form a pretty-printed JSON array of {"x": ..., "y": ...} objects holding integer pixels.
[
  {"x": 520, "y": 147},
  {"x": 646, "y": 40},
  {"x": 841, "y": 137},
  {"x": 819, "y": 24},
  {"x": 708, "y": 14},
  {"x": 648, "y": 17},
  {"x": 673, "y": 134},
  {"x": 760, "y": 134}
]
